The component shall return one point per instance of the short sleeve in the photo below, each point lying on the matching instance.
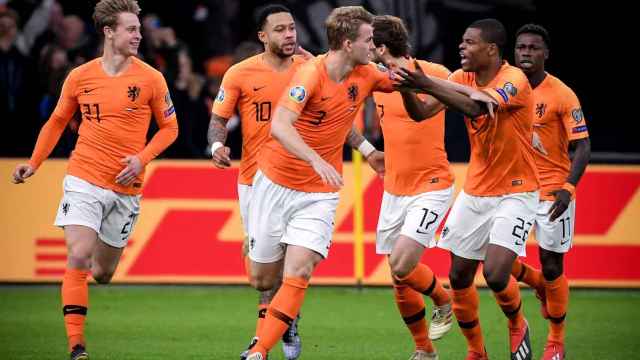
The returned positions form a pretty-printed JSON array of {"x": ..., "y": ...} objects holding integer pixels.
[
  {"x": 572, "y": 117},
  {"x": 512, "y": 89},
  {"x": 228, "y": 94}
]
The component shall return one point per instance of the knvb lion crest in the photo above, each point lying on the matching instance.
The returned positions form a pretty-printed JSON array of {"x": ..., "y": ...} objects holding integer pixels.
[
  {"x": 133, "y": 92},
  {"x": 353, "y": 92}
]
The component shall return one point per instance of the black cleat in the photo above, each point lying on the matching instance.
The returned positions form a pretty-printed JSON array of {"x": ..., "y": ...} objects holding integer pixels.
[{"x": 79, "y": 353}]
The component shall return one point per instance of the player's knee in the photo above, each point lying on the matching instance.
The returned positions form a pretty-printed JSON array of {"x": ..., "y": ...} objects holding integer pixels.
[
  {"x": 79, "y": 261},
  {"x": 551, "y": 271},
  {"x": 459, "y": 278},
  {"x": 101, "y": 276},
  {"x": 262, "y": 283},
  {"x": 399, "y": 268},
  {"x": 496, "y": 280}
]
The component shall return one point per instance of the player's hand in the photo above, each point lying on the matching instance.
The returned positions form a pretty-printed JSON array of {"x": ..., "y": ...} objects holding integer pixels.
[
  {"x": 22, "y": 172},
  {"x": 132, "y": 169},
  {"x": 221, "y": 157},
  {"x": 327, "y": 173},
  {"x": 563, "y": 199},
  {"x": 414, "y": 81},
  {"x": 485, "y": 98},
  {"x": 376, "y": 161},
  {"x": 537, "y": 144},
  {"x": 304, "y": 53}
]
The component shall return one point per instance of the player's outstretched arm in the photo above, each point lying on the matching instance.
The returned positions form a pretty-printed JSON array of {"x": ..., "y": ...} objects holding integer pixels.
[
  {"x": 419, "y": 110},
  {"x": 47, "y": 140},
  {"x": 283, "y": 131},
  {"x": 579, "y": 163},
  {"x": 374, "y": 157},
  {"x": 417, "y": 81},
  {"x": 217, "y": 135}
]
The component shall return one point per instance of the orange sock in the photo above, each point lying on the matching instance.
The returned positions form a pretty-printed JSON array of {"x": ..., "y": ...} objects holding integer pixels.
[
  {"x": 422, "y": 280},
  {"x": 465, "y": 307},
  {"x": 283, "y": 309},
  {"x": 262, "y": 313},
  {"x": 510, "y": 302},
  {"x": 412, "y": 309},
  {"x": 75, "y": 301},
  {"x": 557, "y": 304},
  {"x": 527, "y": 274}
]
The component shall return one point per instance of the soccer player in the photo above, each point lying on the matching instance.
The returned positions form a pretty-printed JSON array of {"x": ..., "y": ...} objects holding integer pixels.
[
  {"x": 116, "y": 95},
  {"x": 270, "y": 73},
  {"x": 418, "y": 186},
  {"x": 491, "y": 217},
  {"x": 560, "y": 124},
  {"x": 292, "y": 212}
]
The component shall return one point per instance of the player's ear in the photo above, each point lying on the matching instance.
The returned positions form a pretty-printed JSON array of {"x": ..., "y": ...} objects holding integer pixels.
[
  {"x": 262, "y": 36},
  {"x": 381, "y": 50},
  {"x": 546, "y": 53},
  {"x": 108, "y": 32}
]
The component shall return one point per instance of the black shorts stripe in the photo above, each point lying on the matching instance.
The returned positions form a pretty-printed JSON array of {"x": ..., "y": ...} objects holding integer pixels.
[
  {"x": 523, "y": 271},
  {"x": 513, "y": 312},
  {"x": 415, "y": 317},
  {"x": 74, "y": 309},
  {"x": 557, "y": 320},
  {"x": 469, "y": 324},
  {"x": 281, "y": 316},
  {"x": 262, "y": 313},
  {"x": 431, "y": 287}
]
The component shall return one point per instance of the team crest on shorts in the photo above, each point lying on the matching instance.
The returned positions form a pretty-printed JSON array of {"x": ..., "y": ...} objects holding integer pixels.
[
  {"x": 298, "y": 93},
  {"x": 444, "y": 233},
  {"x": 65, "y": 208},
  {"x": 220, "y": 96}
]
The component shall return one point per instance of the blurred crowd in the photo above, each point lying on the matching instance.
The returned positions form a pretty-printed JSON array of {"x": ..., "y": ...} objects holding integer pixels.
[
  {"x": 41, "y": 43},
  {"x": 193, "y": 42}
]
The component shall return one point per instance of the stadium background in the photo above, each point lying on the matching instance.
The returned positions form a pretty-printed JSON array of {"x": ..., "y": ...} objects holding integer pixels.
[{"x": 189, "y": 230}]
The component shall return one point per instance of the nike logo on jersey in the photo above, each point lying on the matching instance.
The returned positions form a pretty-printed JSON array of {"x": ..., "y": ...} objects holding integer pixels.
[
  {"x": 256, "y": 88},
  {"x": 132, "y": 109},
  {"x": 86, "y": 91}
]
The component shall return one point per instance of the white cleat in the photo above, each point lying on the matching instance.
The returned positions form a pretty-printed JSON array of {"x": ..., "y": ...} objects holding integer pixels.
[
  {"x": 441, "y": 321},
  {"x": 255, "y": 356},
  {"x": 422, "y": 355},
  {"x": 291, "y": 344}
]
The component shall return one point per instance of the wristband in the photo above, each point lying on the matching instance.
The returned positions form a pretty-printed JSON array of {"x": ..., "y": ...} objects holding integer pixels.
[
  {"x": 570, "y": 188},
  {"x": 366, "y": 148},
  {"x": 215, "y": 146}
]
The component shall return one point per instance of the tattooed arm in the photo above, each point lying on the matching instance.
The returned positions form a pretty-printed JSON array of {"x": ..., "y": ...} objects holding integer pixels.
[{"x": 216, "y": 136}]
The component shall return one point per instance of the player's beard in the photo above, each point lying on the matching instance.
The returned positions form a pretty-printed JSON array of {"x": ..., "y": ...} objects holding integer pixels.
[{"x": 279, "y": 51}]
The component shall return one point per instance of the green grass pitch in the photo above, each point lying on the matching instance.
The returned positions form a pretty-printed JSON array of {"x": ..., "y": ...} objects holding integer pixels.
[{"x": 216, "y": 322}]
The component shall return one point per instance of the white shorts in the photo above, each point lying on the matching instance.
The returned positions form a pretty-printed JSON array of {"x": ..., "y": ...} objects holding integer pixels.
[
  {"x": 477, "y": 221},
  {"x": 555, "y": 236},
  {"x": 244, "y": 199},
  {"x": 279, "y": 216},
  {"x": 112, "y": 215},
  {"x": 417, "y": 217}
]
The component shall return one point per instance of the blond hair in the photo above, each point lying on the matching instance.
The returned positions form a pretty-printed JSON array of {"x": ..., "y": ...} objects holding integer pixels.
[
  {"x": 106, "y": 12},
  {"x": 344, "y": 23}
]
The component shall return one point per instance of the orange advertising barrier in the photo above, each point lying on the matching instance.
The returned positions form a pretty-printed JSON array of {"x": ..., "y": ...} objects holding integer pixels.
[{"x": 189, "y": 230}]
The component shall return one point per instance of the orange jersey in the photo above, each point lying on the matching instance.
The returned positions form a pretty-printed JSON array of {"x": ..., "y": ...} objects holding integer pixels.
[
  {"x": 116, "y": 112},
  {"x": 557, "y": 119},
  {"x": 326, "y": 112},
  {"x": 414, "y": 157},
  {"x": 502, "y": 160},
  {"x": 252, "y": 88}
]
